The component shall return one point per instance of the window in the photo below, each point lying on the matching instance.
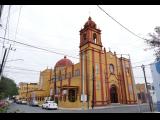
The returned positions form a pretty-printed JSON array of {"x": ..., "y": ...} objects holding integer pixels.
[
  {"x": 111, "y": 68},
  {"x": 84, "y": 36},
  {"x": 72, "y": 95},
  {"x": 94, "y": 38}
]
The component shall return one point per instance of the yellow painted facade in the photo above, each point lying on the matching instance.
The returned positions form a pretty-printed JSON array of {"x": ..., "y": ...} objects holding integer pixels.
[
  {"x": 112, "y": 75},
  {"x": 38, "y": 91},
  {"x": 25, "y": 88}
]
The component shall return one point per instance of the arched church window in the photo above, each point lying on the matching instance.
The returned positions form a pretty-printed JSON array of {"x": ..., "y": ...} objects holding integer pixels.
[
  {"x": 111, "y": 67},
  {"x": 94, "y": 38}
]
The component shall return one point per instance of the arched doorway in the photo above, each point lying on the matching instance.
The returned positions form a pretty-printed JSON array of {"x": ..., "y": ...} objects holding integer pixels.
[{"x": 113, "y": 94}]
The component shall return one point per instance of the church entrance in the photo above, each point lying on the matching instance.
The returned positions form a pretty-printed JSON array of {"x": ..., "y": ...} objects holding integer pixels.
[{"x": 113, "y": 94}]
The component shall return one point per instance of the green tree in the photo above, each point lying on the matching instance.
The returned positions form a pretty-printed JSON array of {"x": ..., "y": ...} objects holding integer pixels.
[
  {"x": 7, "y": 88},
  {"x": 154, "y": 41}
]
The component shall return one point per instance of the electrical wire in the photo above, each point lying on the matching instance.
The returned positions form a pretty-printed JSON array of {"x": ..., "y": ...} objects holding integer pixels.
[
  {"x": 120, "y": 23},
  {"x": 44, "y": 49},
  {"x": 32, "y": 46},
  {"x": 18, "y": 22},
  {"x": 18, "y": 68}
]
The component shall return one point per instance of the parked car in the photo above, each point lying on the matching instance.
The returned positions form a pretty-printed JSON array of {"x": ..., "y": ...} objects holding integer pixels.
[
  {"x": 24, "y": 102},
  {"x": 19, "y": 101},
  {"x": 9, "y": 101},
  {"x": 33, "y": 103},
  {"x": 49, "y": 105}
]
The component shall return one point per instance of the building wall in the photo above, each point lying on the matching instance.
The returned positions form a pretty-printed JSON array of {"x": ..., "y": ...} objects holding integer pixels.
[
  {"x": 125, "y": 88},
  {"x": 155, "y": 69},
  {"x": 25, "y": 88},
  {"x": 40, "y": 90}
]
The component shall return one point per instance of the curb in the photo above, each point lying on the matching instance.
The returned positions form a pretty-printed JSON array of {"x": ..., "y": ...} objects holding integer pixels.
[{"x": 96, "y": 108}]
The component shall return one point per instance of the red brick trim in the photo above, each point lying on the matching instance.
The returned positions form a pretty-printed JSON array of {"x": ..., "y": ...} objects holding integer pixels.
[
  {"x": 107, "y": 81},
  {"x": 123, "y": 80},
  {"x": 93, "y": 63},
  {"x": 101, "y": 77},
  {"x": 119, "y": 83}
]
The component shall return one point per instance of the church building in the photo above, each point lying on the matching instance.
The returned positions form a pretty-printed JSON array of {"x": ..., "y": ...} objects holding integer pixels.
[{"x": 99, "y": 79}]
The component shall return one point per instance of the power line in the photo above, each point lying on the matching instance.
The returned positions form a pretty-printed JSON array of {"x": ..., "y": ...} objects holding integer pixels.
[
  {"x": 32, "y": 46},
  {"x": 43, "y": 49},
  {"x": 78, "y": 58},
  {"x": 18, "y": 22},
  {"x": 31, "y": 73},
  {"x": 18, "y": 68},
  {"x": 142, "y": 61},
  {"x": 120, "y": 23},
  {"x": 57, "y": 53}
]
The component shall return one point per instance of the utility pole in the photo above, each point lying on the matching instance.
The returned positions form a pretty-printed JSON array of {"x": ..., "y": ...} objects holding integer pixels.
[
  {"x": 2, "y": 64},
  {"x": 4, "y": 60},
  {"x": 1, "y": 9},
  {"x": 148, "y": 94},
  {"x": 93, "y": 87}
]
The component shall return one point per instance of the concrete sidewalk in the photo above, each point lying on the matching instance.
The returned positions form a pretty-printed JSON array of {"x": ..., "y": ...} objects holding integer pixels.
[{"x": 105, "y": 107}]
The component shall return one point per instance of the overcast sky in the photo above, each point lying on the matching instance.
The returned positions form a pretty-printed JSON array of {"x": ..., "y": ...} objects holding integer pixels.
[{"x": 57, "y": 28}]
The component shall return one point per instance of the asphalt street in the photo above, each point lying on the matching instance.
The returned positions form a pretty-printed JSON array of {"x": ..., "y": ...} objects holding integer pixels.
[{"x": 19, "y": 108}]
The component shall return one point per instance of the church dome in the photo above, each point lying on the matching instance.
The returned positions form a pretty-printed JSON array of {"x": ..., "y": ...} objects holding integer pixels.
[
  {"x": 90, "y": 23},
  {"x": 64, "y": 62}
]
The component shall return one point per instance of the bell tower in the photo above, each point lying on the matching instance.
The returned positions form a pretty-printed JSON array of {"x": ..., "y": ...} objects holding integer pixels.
[
  {"x": 92, "y": 81},
  {"x": 90, "y": 35}
]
